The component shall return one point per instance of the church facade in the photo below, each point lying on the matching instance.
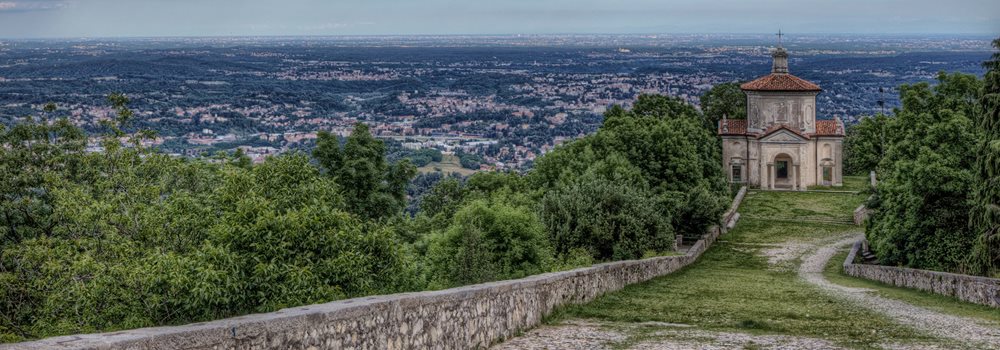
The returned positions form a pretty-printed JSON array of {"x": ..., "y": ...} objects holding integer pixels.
[{"x": 780, "y": 144}]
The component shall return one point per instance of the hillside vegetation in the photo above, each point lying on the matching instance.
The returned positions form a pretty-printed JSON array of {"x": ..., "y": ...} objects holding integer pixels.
[
  {"x": 127, "y": 237},
  {"x": 938, "y": 197}
]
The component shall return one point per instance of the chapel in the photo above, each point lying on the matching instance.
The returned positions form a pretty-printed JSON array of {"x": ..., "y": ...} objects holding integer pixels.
[{"x": 781, "y": 144}]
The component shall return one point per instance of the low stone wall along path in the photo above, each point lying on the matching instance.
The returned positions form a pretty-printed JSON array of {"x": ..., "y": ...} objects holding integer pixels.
[{"x": 765, "y": 285}]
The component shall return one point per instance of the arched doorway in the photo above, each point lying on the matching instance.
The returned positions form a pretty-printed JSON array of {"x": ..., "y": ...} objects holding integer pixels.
[{"x": 783, "y": 171}]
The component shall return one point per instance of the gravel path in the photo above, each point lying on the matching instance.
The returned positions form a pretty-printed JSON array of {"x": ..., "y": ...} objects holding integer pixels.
[
  {"x": 586, "y": 335},
  {"x": 596, "y": 335},
  {"x": 945, "y": 326}
]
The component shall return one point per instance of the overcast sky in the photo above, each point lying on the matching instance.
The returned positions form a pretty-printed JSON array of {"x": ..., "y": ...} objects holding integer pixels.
[{"x": 117, "y": 18}]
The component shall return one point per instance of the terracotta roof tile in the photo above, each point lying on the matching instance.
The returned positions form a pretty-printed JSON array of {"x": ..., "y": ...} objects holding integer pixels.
[
  {"x": 828, "y": 128},
  {"x": 739, "y": 127},
  {"x": 780, "y": 82},
  {"x": 733, "y": 127}
]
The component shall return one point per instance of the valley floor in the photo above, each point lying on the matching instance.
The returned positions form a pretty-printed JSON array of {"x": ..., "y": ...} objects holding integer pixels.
[{"x": 773, "y": 282}]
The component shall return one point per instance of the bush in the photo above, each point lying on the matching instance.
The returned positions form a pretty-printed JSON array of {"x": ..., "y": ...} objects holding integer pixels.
[
  {"x": 611, "y": 221},
  {"x": 487, "y": 242}
]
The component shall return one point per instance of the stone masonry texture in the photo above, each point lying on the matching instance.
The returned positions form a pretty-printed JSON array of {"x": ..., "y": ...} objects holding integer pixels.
[{"x": 973, "y": 289}]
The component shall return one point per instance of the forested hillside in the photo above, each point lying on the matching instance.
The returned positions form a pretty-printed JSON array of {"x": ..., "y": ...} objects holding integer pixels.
[
  {"x": 936, "y": 204},
  {"x": 128, "y": 237}
]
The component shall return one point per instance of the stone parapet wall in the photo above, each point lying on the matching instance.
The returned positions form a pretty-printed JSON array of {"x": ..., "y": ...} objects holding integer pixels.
[
  {"x": 459, "y": 318},
  {"x": 973, "y": 289}
]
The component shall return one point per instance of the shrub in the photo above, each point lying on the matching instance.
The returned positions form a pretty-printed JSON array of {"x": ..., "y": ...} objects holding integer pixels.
[{"x": 487, "y": 242}]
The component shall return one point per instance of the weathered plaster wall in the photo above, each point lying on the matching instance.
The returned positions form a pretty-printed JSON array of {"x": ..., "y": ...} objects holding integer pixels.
[
  {"x": 459, "y": 318},
  {"x": 835, "y": 158},
  {"x": 796, "y": 109},
  {"x": 734, "y": 150},
  {"x": 973, "y": 289}
]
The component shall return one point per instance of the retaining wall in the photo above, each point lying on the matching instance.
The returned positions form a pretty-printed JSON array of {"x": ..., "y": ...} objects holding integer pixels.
[
  {"x": 973, "y": 289},
  {"x": 459, "y": 318}
]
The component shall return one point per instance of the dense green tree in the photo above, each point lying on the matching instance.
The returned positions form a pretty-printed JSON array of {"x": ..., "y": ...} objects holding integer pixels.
[
  {"x": 607, "y": 217},
  {"x": 128, "y": 237},
  {"x": 31, "y": 151},
  {"x": 864, "y": 145},
  {"x": 327, "y": 151},
  {"x": 373, "y": 188},
  {"x": 677, "y": 159},
  {"x": 443, "y": 198},
  {"x": 985, "y": 214},
  {"x": 921, "y": 207},
  {"x": 488, "y": 240},
  {"x": 284, "y": 225},
  {"x": 725, "y": 99}
]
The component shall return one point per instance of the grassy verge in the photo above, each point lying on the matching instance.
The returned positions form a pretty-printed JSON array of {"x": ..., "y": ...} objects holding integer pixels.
[
  {"x": 733, "y": 288},
  {"x": 801, "y": 206},
  {"x": 834, "y": 272},
  {"x": 851, "y": 183}
]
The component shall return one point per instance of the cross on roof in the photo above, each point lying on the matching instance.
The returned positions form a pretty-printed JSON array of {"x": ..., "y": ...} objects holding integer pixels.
[{"x": 779, "y": 37}]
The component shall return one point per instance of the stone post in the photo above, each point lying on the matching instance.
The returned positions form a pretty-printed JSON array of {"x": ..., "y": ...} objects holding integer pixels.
[
  {"x": 796, "y": 184},
  {"x": 770, "y": 176}
]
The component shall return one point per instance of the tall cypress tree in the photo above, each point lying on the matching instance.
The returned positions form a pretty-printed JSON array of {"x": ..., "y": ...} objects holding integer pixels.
[{"x": 985, "y": 218}]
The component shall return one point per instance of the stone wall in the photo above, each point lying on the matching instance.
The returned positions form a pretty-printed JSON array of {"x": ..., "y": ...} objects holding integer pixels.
[
  {"x": 459, "y": 318},
  {"x": 860, "y": 215},
  {"x": 973, "y": 289}
]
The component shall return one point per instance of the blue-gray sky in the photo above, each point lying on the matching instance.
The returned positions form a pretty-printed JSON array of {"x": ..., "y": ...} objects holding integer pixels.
[{"x": 125, "y": 18}]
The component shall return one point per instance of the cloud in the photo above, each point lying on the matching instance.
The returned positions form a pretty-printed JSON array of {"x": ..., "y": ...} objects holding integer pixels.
[{"x": 35, "y": 5}]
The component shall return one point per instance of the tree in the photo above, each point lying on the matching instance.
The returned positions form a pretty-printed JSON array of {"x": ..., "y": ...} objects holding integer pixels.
[
  {"x": 373, "y": 189},
  {"x": 985, "y": 216},
  {"x": 864, "y": 145},
  {"x": 610, "y": 220},
  {"x": 921, "y": 206},
  {"x": 292, "y": 242},
  {"x": 129, "y": 237},
  {"x": 327, "y": 151},
  {"x": 488, "y": 240},
  {"x": 677, "y": 159},
  {"x": 32, "y": 152},
  {"x": 725, "y": 99}
]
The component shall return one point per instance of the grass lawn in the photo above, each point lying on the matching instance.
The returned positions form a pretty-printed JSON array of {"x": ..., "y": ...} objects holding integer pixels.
[
  {"x": 851, "y": 183},
  {"x": 834, "y": 272},
  {"x": 449, "y": 164},
  {"x": 800, "y": 206},
  {"x": 733, "y": 288}
]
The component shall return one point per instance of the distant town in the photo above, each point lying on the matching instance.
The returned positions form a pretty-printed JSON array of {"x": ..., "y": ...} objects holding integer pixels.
[{"x": 496, "y": 101}]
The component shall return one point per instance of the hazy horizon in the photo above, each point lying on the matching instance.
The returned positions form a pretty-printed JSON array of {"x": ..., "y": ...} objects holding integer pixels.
[{"x": 45, "y": 19}]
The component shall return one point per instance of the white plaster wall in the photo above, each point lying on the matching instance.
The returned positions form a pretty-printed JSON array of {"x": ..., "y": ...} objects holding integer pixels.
[
  {"x": 807, "y": 154},
  {"x": 796, "y": 109},
  {"x": 837, "y": 154},
  {"x": 734, "y": 147},
  {"x": 770, "y": 150}
]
